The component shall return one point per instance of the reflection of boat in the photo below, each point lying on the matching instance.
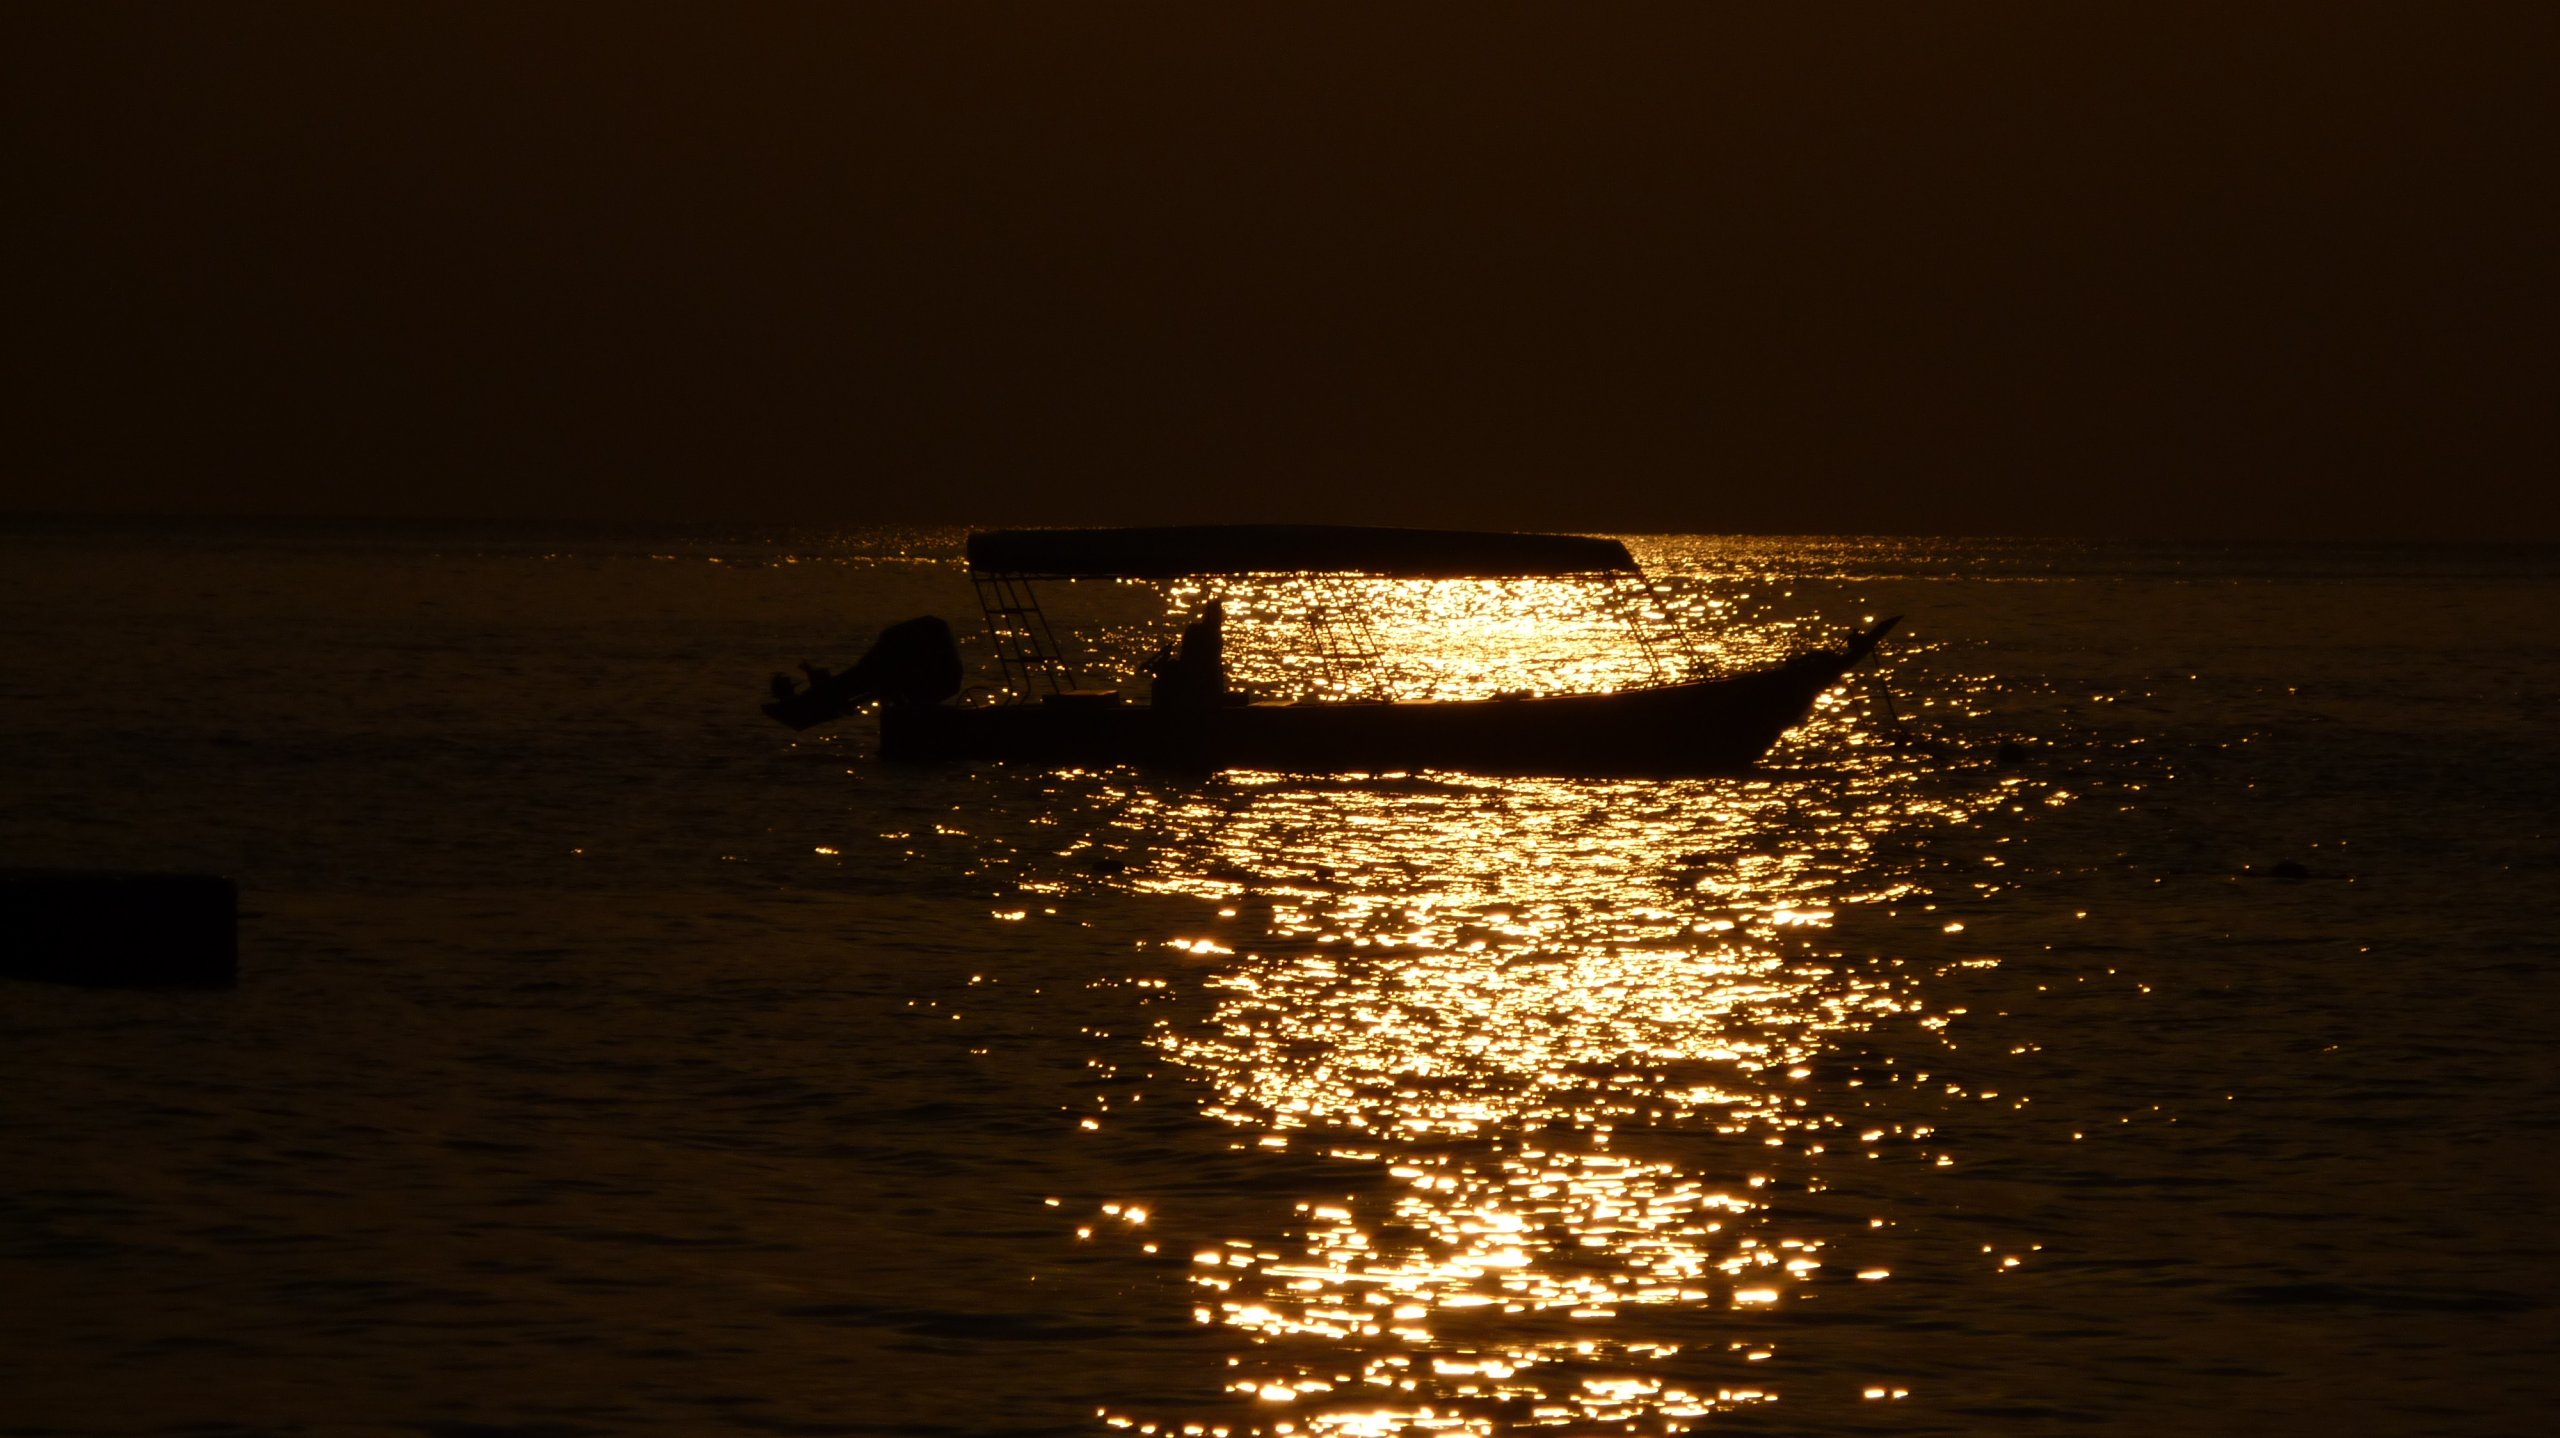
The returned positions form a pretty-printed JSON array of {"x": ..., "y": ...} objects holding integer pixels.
[{"x": 1700, "y": 725}]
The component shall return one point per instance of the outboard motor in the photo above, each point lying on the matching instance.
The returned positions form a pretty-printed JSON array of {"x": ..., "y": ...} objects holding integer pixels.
[{"x": 914, "y": 661}]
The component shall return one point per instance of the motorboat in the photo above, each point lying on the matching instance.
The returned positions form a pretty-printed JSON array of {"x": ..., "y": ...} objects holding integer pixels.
[{"x": 1679, "y": 725}]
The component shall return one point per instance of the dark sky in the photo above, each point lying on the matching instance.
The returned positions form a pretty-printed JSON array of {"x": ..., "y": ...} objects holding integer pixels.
[{"x": 2185, "y": 270}]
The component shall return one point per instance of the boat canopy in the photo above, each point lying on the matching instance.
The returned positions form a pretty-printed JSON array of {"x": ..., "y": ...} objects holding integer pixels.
[{"x": 1180, "y": 551}]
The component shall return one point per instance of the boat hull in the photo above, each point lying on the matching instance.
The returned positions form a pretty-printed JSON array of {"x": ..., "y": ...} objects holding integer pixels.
[{"x": 1710, "y": 726}]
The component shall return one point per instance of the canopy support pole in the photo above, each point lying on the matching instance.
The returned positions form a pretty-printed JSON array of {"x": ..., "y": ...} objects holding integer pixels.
[
  {"x": 1348, "y": 645},
  {"x": 1024, "y": 643},
  {"x": 1632, "y": 611}
]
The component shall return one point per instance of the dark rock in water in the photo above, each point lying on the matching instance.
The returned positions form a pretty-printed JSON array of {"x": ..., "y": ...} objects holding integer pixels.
[{"x": 132, "y": 930}]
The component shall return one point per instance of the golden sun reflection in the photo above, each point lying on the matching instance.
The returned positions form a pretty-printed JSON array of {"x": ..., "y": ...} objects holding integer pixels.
[
  {"x": 1560, "y": 1046},
  {"x": 1461, "y": 638},
  {"x": 1500, "y": 1000}
]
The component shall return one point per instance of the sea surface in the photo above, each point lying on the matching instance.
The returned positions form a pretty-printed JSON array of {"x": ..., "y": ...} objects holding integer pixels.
[{"x": 2130, "y": 1007}]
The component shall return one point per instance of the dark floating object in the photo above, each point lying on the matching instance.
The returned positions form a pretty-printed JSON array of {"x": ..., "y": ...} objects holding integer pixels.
[
  {"x": 1672, "y": 726},
  {"x": 2011, "y": 753},
  {"x": 2283, "y": 869},
  {"x": 120, "y": 930}
]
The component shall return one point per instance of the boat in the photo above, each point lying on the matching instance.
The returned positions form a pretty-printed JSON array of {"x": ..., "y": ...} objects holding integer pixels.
[{"x": 1693, "y": 725}]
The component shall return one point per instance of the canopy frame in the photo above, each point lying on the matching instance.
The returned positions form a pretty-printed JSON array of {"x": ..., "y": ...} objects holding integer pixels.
[{"x": 1003, "y": 564}]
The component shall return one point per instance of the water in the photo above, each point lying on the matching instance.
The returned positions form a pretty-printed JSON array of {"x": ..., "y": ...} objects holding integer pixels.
[{"x": 609, "y": 1060}]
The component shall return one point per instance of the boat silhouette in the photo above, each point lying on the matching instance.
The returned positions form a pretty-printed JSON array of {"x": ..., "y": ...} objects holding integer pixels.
[{"x": 1698, "y": 725}]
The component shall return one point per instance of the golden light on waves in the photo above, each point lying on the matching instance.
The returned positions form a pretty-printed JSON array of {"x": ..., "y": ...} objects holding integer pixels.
[
  {"x": 1453, "y": 638},
  {"x": 1554, "y": 1037},
  {"x": 1511, "y": 1054}
]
